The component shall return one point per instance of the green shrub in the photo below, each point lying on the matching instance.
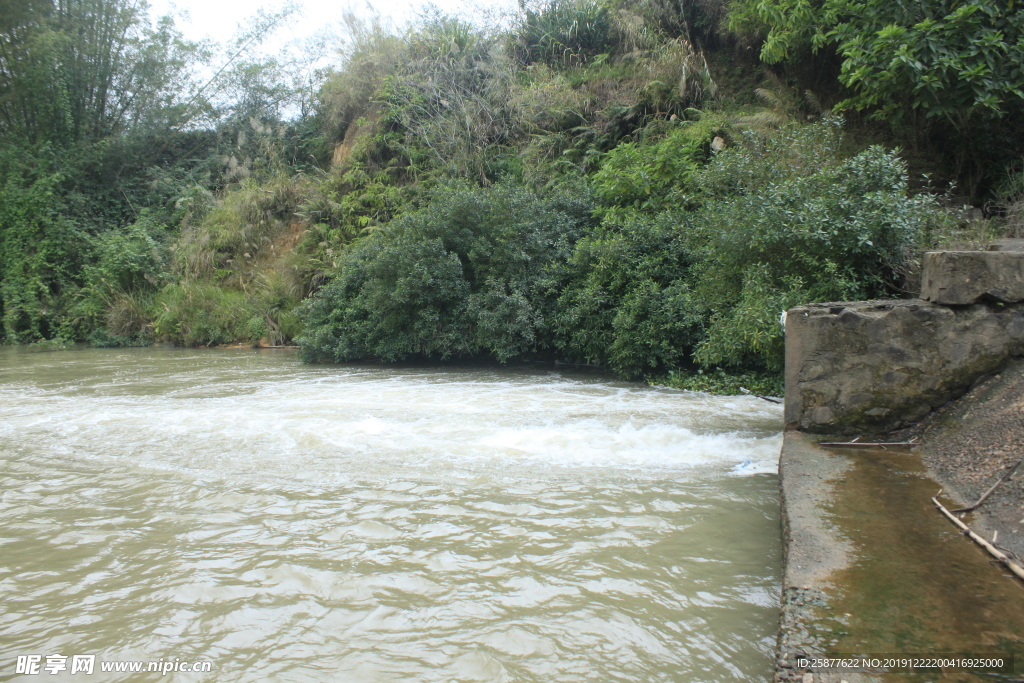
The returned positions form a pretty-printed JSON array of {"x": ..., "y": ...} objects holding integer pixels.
[
  {"x": 657, "y": 173},
  {"x": 241, "y": 228},
  {"x": 128, "y": 267},
  {"x": 468, "y": 274},
  {"x": 196, "y": 314},
  {"x": 44, "y": 345},
  {"x": 770, "y": 222},
  {"x": 41, "y": 251},
  {"x": 398, "y": 297},
  {"x": 628, "y": 304},
  {"x": 842, "y": 232},
  {"x": 1010, "y": 199},
  {"x": 718, "y": 381},
  {"x": 564, "y": 33}
]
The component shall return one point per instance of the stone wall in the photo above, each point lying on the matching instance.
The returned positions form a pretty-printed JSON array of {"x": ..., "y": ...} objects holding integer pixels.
[{"x": 875, "y": 366}]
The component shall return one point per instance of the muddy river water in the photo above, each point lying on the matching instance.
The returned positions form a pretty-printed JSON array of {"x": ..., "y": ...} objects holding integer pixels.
[{"x": 356, "y": 523}]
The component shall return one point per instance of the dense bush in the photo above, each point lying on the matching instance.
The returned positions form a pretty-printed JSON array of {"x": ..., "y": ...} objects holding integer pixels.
[
  {"x": 945, "y": 73},
  {"x": 784, "y": 220},
  {"x": 658, "y": 173},
  {"x": 41, "y": 250},
  {"x": 129, "y": 265},
  {"x": 470, "y": 273},
  {"x": 194, "y": 314},
  {"x": 696, "y": 257},
  {"x": 564, "y": 33},
  {"x": 628, "y": 302},
  {"x": 841, "y": 232},
  {"x": 550, "y": 189}
]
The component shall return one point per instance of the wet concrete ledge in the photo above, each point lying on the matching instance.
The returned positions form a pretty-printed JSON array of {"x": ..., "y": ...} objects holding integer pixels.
[
  {"x": 872, "y": 367},
  {"x": 871, "y": 567},
  {"x": 812, "y": 550}
]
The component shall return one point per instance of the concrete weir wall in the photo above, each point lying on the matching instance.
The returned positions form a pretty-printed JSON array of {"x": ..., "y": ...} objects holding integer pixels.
[
  {"x": 875, "y": 366},
  {"x": 872, "y": 367}
]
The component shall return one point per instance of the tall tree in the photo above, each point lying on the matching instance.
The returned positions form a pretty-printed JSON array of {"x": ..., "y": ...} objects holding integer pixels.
[{"x": 87, "y": 69}]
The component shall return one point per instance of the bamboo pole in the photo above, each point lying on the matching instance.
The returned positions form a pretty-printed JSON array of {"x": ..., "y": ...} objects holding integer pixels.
[
  {"x": 867, "y": 444},
  {"x": 992, "y": 550}
]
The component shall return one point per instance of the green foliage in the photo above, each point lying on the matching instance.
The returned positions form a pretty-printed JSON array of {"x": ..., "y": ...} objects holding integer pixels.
[
  {"x": 100, "y": 127},
  {"x": 549, "y": 190},
  {"x": 130, "y": 259},
  {"x": 405, "y": 297},
  {"x": 546, "y": 102},
  {"x": 241, "y": 228},
  {"x": 564, "y": 33},
  {"x": 1010, "y": 198},
  {"x": 782, "y": 220},
  {"x": 49, "y": 345},
  {"x": 87, "y": 69},
  {"x": 628, "y": 302},
  {"x": 719, "y": 381},
  {"x": 657, "y": 173},
  {"x": 843, "y": 231},
  {"x": 41, "y": 252},
  {"x": 372, "y": 54},
  {"x": 450, "y": 101},
  {"x": 129, "y": 265},
  {"x": 952, "y": 59},
  {"x": 195, "y": 314},
  {"x": 465, "y": 275},
  {"x": 696, "y": 22}
]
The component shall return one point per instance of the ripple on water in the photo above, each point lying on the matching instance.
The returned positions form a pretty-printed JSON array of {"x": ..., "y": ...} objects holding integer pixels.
[{"x": 298, "y": 523}]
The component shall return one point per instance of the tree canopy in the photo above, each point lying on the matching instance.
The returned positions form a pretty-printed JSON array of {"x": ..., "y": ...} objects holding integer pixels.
[{"x": 960, "y": 60}]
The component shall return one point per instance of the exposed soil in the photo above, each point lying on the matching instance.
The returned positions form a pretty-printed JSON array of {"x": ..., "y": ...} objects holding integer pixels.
[{"x": 970, "y": 443}]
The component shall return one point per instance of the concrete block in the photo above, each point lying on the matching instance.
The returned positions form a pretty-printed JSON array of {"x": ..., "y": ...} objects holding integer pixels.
[
  {"x": 1006, "y": 245},
  {"x": 874, "y": 366},
  {"x": 965, "y": 277}
]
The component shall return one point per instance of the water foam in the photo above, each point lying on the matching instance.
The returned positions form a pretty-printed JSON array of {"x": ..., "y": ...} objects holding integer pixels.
[{"x": 339, "y": 421}]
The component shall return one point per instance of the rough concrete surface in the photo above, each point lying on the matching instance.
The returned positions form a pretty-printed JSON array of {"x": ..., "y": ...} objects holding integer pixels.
[
  {"x": 814, "y": 549},
  {"x": 965, "y": 277},
  {"x": 969, "y": 445},
  {"x": 876, "y": 366},
  {"x": 1008, "y": 244}
]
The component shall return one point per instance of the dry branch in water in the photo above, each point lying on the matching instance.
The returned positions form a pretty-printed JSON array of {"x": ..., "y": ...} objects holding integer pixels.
[{"x": 867, "y": 444}]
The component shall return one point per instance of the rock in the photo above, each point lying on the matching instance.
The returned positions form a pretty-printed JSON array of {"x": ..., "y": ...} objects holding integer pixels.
[
  {"x": 875, "y": 366},
  {"x": 966, "y": 277}
]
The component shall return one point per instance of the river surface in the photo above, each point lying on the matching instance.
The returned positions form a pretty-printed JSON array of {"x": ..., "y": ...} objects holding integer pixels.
[{"x": 357, "y": 523}]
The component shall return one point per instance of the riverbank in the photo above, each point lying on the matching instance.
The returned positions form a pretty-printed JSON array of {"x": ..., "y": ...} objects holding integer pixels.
[{"x": 871, "y": 567}]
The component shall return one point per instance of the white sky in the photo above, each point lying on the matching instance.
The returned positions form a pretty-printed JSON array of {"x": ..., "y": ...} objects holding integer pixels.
[{"x": 220, "y": 20}]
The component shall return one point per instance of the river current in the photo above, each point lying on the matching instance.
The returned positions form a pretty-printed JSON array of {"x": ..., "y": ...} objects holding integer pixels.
[{"x": 358, "y": 523}]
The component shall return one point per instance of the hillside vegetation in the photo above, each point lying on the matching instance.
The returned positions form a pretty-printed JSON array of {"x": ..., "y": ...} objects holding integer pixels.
[{"x": 640, "y": 186}]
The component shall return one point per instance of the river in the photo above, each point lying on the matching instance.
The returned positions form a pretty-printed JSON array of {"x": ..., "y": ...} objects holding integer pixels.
[{"x": 359, "y": 523}]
